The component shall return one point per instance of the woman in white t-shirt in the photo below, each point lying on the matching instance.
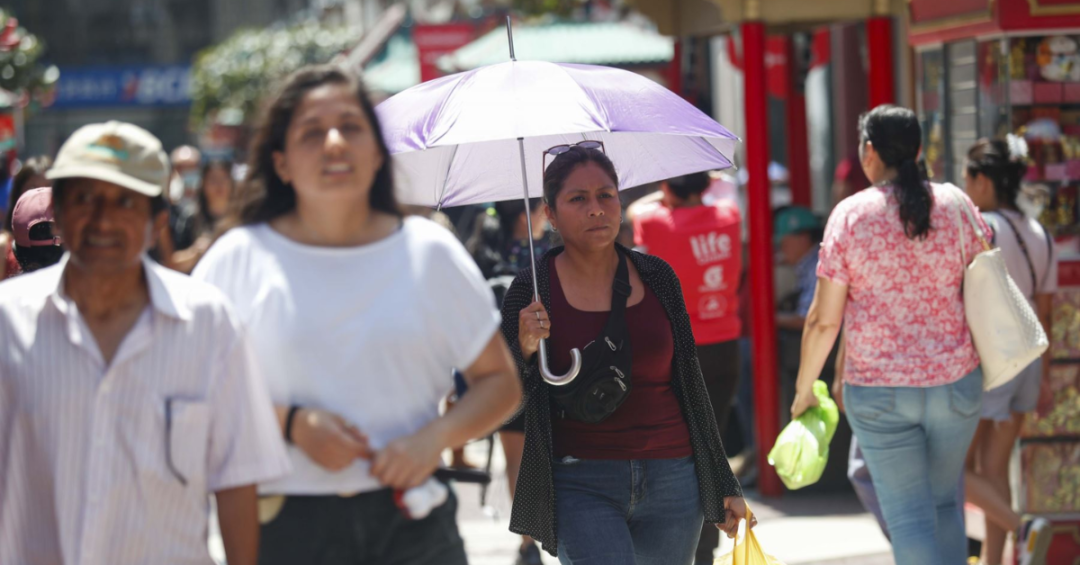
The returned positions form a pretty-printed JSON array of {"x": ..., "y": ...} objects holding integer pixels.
[
  {"x": 992, "y": 180},
  {"x": 357, "y": 315}
]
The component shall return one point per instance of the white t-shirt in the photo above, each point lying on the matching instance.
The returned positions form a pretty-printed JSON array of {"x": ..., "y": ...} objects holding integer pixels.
[
  {"x": 371, "y": 332},
  {"x": 1043, "y": 258}
]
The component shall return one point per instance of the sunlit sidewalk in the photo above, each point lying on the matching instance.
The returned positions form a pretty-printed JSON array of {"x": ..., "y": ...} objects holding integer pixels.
[{"x": 797, "y": 529}]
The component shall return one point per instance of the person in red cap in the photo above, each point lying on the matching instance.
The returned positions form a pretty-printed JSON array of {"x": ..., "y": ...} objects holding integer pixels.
[{"x": 36, "y": 246}]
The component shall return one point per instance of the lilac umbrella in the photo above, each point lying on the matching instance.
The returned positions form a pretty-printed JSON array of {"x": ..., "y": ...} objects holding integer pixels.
[{"x": 480, "y": 136}]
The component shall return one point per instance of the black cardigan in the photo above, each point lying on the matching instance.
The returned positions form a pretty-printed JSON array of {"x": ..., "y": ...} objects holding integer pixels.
[{"x": 534, "y": 505}]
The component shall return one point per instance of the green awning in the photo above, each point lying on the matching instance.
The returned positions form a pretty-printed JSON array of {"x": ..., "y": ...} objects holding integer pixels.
[
  {"x": 613, "y": 44},
  {"x": 397, "y": 70}
]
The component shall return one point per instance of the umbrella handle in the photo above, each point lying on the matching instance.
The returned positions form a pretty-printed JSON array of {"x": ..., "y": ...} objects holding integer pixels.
[{"x": 559, "y": 380}]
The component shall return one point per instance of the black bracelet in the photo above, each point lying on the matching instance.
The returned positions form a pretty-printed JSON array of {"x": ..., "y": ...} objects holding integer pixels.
[{"x": 288, "y": 422}]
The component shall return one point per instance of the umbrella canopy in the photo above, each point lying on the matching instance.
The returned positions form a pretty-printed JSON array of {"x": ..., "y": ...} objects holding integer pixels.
[
  {"x": 455, "y": 140},
  {"x": 481, "y": 135}
]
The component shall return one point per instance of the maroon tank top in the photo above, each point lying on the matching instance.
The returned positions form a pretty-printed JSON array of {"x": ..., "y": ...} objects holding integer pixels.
[{"x": 650, "y": 423}]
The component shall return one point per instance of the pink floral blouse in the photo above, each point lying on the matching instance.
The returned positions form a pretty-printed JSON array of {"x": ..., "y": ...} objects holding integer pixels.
[{"x": 904, "y": 321}]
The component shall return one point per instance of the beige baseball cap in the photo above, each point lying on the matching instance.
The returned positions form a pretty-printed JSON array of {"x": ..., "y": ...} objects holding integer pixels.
[{"x": 116, "y": 152}]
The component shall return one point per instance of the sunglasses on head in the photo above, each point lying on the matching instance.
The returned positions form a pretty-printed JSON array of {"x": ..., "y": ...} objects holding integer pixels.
[{"x": 557, "y": 150}]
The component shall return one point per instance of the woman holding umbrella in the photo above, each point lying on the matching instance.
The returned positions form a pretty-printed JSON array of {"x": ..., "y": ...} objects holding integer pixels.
[
  {"x": 634, "y": 487},
  {"x": 357, "y": 315}
]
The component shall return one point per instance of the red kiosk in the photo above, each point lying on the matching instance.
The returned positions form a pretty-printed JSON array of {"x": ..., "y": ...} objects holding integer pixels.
[
  {"x": 754, "y": 18},
  {"x": 985, "y": 68}
]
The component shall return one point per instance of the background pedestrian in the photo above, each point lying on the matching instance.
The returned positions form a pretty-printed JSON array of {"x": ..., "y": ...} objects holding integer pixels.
[{"x": 992, "y": 179}]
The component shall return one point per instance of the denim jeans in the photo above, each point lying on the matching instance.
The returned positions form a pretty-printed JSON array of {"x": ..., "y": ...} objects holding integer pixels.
[
  {"x": 915, "y": 441},
  {"x": 641, "y": 512}
]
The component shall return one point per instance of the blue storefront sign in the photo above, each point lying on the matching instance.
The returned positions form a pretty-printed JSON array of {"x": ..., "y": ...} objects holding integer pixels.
[{"x": 82, "y": 87}]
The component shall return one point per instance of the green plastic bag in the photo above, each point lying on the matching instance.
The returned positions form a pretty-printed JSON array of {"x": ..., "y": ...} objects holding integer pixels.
[{"x": 802, "y": 449}]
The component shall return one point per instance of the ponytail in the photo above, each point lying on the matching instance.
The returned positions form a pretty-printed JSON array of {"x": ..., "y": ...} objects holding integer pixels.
[
  {"x": 897, "y": 138},
  {"x": 914, "y": 197}
]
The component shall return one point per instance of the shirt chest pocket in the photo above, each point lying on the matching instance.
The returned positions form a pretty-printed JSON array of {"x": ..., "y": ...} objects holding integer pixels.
[{"x": 187, "y": 438}]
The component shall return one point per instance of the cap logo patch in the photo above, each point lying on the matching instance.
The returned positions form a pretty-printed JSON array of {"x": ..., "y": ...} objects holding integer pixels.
[{"x": 109, "y": 148}]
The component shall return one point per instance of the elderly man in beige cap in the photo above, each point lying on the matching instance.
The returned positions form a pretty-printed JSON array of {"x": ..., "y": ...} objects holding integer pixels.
[{"x": 127, "y": 391}]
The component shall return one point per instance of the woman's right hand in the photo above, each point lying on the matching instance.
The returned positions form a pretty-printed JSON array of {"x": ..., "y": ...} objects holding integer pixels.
[
  {"x": 328, "y": 439},
  {"x": 533, "y": 325}
]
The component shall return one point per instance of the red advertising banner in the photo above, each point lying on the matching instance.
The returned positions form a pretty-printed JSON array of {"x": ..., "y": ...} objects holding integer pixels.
[
  {"x": 434, "y": 41},
  {"x": 1055, "y": 4},
  {"x": 930, "y": 10}
]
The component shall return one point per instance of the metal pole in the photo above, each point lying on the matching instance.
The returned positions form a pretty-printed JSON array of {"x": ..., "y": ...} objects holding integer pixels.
[
  {"x": 510, "y": 38},
  {"x": 528, "y": 210},
  {"x": 797, "y": 141},
  {"x": 763, "y": 323}
]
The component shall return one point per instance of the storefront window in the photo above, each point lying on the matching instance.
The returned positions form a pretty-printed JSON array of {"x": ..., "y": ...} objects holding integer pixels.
[
  {"x": 961, "y": 84},
  {"x": 931, "y": 69},
  {"x": 1044, "y": 94},
  {"x": 993, "y": 63}
]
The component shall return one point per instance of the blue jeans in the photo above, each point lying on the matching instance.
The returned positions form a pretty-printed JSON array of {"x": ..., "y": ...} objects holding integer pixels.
[
  {"x": 643, "y": 512},
  {"x": 915, "y": 441}
]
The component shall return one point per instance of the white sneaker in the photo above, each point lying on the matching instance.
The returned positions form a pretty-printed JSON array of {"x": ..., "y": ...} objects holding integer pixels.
[{"x": 1034, "y": 542}]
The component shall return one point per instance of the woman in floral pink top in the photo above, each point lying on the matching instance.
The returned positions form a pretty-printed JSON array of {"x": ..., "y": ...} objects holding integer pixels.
[{"x": 890, "y": 272}]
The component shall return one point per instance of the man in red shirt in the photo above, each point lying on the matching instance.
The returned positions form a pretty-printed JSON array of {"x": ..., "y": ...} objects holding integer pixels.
[{"x": 701, "y": 243}]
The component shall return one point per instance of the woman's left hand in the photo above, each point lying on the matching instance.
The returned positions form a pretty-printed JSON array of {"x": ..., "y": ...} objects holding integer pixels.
[
  {"x": 804, "y": 400},
  {"x": 734, "y": 511},
  {"x": 407, "y": 462}
]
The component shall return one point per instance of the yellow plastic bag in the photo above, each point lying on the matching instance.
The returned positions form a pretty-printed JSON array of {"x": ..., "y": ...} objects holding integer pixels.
[{"x": 747, "y": 549}]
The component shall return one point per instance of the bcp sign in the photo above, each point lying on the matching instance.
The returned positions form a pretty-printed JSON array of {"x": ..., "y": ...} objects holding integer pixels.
[{"x": 123, "y": 86}]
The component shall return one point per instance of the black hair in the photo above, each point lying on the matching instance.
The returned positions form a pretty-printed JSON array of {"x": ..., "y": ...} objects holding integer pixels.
[
  {"x": 32, "y": 167},
  {"x": 31, "y": 259},
  {"x": 158, "y": 203},
  {"x": 507, "y": 213},
  {"x": 492, "y": 234},
  {"x": 557, "y": 172},
  {"x": 689, "y": 185},
  {"x": 263, "y": 196},
  {"x": 895, "y": 133},
  {"x": 205, "y": 221},
  {"x": 992, "y": 159}
]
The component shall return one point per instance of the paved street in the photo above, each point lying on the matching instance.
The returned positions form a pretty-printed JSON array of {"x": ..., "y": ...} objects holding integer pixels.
[{"x": 797, "y": 529}]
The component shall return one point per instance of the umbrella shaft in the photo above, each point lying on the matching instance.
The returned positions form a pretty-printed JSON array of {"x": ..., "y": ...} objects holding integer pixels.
[{"x": 528, "y": 218}]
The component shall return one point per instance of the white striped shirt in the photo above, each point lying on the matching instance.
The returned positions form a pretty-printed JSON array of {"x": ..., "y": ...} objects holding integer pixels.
[{"x": 114, "y": 464}]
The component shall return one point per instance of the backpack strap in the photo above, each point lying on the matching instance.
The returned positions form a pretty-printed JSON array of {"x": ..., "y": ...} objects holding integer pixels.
[
  {"x": 620, "y": 293},
  {"x": 1023, "y": 247},
  {"x": 1049, "y": 253}
]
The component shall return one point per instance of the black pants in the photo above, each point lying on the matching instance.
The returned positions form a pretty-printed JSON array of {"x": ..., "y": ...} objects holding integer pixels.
[
  {"x": 720, "y": 368},
  {"x": 359, "y": 530}
]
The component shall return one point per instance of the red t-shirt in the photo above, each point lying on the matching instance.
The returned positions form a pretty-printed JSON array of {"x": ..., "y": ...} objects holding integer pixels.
[
  {"x": 702, "y": 244},
  {"x": 650, "y": 423}
]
